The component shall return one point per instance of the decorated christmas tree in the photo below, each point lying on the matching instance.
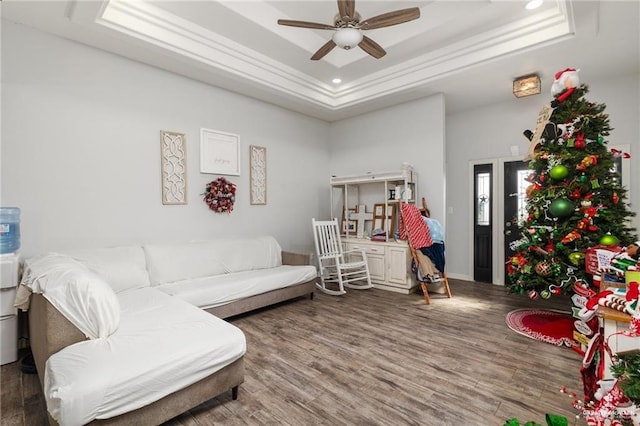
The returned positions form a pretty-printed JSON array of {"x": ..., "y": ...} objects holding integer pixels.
[{"x": 575, "y": 199}]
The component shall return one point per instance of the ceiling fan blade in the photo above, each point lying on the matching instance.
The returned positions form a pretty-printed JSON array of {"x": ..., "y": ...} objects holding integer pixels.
[
  {"x": 390, "y": 18},
  {"x": 304, "y": 24},
  {"x": 372, "y": 48},
  {"x": 347, "y": 8},
  {"x": 326, "y": 48}
]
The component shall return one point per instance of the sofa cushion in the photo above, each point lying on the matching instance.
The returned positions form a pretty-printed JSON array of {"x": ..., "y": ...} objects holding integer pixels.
[
  {"x": 163, "y": 345},
  {"x": 207, "y": 292},
  {"x": 82, "y": 296},
  {"x": 124, "y": 268},
  {"x": 181, "y": 261}
]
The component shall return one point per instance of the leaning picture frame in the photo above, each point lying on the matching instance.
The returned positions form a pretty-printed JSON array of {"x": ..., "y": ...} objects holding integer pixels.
[
  {"x": 348, "y": 226},
  {"x": 378, "y": 216},
  {"x": 390, "y": 222},
  {"x": 219, "y": 152}
]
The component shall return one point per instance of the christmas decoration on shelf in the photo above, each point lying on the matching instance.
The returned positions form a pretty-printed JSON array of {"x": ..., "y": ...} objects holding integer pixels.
[
  {"x": 220, "y": 195},
  {"x": 627, "y": 370},
  {"x": 622, "y": 300},
  {"x": 575, "y": 199}
]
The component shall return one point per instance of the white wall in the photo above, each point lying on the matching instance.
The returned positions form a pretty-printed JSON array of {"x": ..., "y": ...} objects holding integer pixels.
[
  {"x": 382, "y": 140},
  {"x": 81, "y": 151},
  {"x": 489, "y": 132}
]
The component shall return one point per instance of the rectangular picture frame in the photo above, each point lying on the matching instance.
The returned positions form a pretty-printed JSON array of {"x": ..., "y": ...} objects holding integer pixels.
[
  {"x": 173, "y": 155},
  {"x": 384, "y": 220},
  {"x": 219, "y": 152},
  {"x": 378, "y": 216},
  {"x": 348, "y": 226},
  {"x": 391, "y": 219},
  {"x": 258, "y": 175}
]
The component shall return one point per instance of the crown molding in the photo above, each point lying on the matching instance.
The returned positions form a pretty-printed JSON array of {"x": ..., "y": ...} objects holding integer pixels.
[{"x": 192, "y": 44}]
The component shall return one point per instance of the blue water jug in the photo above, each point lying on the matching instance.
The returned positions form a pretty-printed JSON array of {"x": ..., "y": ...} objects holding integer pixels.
[{"x": 9, "y": 229}]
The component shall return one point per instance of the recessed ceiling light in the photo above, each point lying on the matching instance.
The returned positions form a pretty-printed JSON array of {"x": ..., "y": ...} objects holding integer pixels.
[
  {"x": 533, "y": 4},
  {"x": 336, "y": 81}
]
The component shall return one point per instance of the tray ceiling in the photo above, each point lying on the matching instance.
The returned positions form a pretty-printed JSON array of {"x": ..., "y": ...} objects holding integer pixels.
[{"x": 468, "y": 50}]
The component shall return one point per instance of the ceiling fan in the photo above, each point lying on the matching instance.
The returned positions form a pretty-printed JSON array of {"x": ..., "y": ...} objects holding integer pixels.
[{"x": 348, "y": 28}]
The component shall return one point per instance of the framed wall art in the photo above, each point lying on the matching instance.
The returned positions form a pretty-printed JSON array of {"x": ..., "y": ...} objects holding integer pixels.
[
  {"x": 258, "y": 174},
  {"x": 173, "y": 150},
  {"x": 219, "y": 152}
]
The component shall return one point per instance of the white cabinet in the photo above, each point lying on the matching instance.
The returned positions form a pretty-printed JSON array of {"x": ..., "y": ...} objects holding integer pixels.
[
  {"x": 388, "y": 263},
  {"x": 9, "y": 264},
  {"x": 398, "y": 266}
]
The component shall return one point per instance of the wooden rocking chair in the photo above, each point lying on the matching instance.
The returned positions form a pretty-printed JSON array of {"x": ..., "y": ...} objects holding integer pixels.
[
  {"x": 422, "y": 262},
  {"x": 336, "y": 266}
]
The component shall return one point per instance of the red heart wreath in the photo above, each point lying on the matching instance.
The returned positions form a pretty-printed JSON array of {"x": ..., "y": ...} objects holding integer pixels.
[{"x": 220, "y": 195}]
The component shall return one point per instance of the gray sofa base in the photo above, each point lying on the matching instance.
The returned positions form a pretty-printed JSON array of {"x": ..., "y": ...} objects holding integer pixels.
[
  {"x": 172, "y": 405},
  {"x": 50, "y": 331},
  {"x": 271, "y": 297},
  {"x": 265, "y": 299}
]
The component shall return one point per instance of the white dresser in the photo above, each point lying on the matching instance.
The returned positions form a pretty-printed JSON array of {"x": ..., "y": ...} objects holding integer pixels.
[
  {"x": 9, "y": 265},
  {"x": 389, "y": 263}
]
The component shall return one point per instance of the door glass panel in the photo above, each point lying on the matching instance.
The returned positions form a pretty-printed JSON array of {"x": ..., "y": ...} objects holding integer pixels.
[
  {"x": 483, "y": 223},
  {"x": 483, "y": 198},
  {"x": 522, "y": 186}
]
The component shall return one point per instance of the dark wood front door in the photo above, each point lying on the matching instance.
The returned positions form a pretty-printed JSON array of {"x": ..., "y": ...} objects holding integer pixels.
[{"x": 482, "y": 226}]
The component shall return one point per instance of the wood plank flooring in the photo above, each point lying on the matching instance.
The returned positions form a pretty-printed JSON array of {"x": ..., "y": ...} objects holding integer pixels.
[{"x": 373, "y": 357}]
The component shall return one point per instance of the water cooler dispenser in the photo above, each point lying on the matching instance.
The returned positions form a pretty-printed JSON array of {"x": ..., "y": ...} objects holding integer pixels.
[{"x": 9, "y": 266}]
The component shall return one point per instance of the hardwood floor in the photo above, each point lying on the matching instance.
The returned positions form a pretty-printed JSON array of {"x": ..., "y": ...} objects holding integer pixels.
[{"x": 373, "y": 357}]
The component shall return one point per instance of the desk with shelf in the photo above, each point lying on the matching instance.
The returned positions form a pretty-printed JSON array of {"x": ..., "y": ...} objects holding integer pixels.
[
  {"x": 389, "y": 261},
  {"x": 379, "y": 184}
]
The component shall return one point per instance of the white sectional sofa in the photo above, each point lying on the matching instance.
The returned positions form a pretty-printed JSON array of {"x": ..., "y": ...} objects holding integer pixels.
[{"x": 125, "y": 335}]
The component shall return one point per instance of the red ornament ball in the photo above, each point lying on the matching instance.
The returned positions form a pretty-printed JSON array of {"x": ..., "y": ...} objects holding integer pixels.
[{"x": 615, "y": 198}]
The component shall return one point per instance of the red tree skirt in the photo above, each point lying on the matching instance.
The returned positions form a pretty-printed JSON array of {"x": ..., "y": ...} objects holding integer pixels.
[{"x": 546, "y": 326}]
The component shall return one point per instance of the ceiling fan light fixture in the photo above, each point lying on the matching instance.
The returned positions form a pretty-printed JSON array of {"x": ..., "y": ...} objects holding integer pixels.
[
  {"x": 347, "y": 38},
  {"x": 526, "y": 85}
]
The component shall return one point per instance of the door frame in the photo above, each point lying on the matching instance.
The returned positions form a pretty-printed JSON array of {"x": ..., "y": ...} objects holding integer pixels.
[{"x": 497, "y": 216}]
